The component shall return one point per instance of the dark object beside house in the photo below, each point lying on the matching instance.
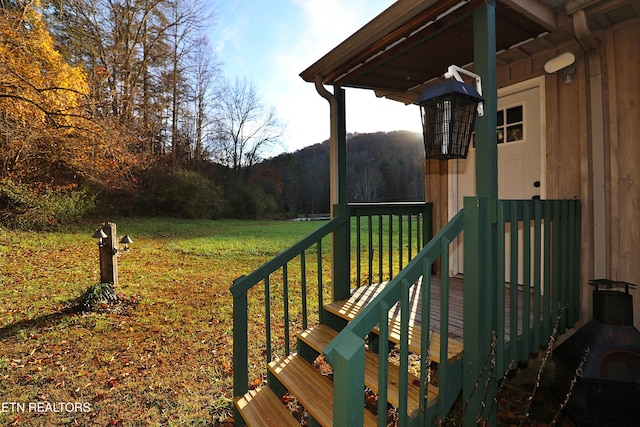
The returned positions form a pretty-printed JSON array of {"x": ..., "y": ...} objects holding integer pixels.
[{"x": 608, "y": 393}]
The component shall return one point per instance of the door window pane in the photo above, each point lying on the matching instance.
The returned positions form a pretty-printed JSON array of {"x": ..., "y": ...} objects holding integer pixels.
[
  {"x": 514, "y": 114},
  {"x": 510, "y": 125}
]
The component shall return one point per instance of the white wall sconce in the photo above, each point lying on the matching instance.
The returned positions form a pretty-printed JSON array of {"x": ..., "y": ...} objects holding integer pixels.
[{"x": 563, "y": 65}]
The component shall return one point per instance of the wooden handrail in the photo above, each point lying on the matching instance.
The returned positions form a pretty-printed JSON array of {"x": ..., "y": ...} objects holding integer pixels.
[
  {"x": 346, "y": 351},
  {"x": 396, "y": 213},
  {"x": 549, "y": 243}
]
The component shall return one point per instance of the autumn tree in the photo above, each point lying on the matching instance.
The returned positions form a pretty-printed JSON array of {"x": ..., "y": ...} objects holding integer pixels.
[
  {"x": 137, "y": 53},
  {"x": 123, "y": 45},
  {"x": 10, "y": 4},
  {"x": 48, "y": 134}
]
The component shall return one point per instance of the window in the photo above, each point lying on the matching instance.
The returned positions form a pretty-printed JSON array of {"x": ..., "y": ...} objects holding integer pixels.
[{"x": 510, "y": 123}]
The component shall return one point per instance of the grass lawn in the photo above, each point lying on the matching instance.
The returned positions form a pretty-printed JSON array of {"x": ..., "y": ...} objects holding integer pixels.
[{"x": 162, "y": 359}]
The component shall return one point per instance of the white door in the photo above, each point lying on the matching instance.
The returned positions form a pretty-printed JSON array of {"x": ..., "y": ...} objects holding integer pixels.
[{"x": 520, "y": 175}]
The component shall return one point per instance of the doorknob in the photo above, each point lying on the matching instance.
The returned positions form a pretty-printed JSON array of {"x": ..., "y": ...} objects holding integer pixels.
[{"x": 536, "y": 184}]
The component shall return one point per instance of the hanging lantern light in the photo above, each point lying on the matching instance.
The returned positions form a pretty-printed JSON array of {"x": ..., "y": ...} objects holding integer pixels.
[{"x": 448, "y": 113}]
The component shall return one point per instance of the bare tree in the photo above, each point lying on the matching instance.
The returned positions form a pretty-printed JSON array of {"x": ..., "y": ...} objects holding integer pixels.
[
  {"x": 247, "y": 128},
  {"x": 189, "y": 17},
  {"x": 204, "y": 73},
  {"x": 365, "y": 183}
]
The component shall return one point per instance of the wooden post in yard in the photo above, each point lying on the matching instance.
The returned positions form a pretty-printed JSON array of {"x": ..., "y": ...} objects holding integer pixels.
[{"x": 108, "y": 248}]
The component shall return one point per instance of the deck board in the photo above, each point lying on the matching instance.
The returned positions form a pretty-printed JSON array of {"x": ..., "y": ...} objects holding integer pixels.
[
  {"x": 262, "y": 408},
  {"x": 362, "y": 296},
  {"x": 365, "y": 294},
  {"x": 313, "y": 390},
  {"x": 320, "y": 336}
]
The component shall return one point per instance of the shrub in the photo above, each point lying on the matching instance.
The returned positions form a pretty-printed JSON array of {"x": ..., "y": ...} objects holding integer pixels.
[
  {"x": 252, "y": 203},
  {"x": 30, "y": 208},
  {"x": 188, "y": 194},
  {"x": 97, "y": 294}
]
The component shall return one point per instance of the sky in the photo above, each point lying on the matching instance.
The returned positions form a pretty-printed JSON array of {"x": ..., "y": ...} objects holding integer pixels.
[{"x": 270, "y": 42}]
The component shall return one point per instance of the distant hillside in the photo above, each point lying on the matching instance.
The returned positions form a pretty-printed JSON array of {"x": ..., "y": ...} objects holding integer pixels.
[{"x": 381, "y": 167}]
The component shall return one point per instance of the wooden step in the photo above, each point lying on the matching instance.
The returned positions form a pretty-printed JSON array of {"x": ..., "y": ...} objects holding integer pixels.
[
  {"x": 319, "y": 336},
  {"x": 313, "y": 390},
  {"x": 348, "y": 309},
  {"x": 262, "y": 408}
]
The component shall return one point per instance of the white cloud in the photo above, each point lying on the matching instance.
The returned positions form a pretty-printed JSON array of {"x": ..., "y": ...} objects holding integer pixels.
[{"x": 226, "y": 34}]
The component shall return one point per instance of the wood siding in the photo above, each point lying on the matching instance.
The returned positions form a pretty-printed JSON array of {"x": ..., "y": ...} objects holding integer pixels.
[
  {"x": 568, "y": 147},
  {"x": 622, "y": 55}
]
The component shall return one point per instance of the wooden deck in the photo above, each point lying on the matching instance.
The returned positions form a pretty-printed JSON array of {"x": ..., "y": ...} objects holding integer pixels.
[{"x": 365, "y": 294}]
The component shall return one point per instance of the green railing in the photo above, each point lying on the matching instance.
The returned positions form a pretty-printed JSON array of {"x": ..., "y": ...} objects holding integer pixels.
[
  {"x": 536, "y": 292},
  {"x": 370, "y": 242},
  {"x": 385, "y": 237},
  {"x": 346, "y": 352},
  {"x": 544, "y": 256},
  {"x": 543, "y": 241},
  {"x": 244, "y": 284}
]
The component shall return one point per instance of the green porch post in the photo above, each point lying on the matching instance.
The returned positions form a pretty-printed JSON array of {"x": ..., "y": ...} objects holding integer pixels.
[
  {"x": 342, "y": 145},
  {"x": 479, "y": 306},
  {"x": 480, "y": 231},
  {"x": 484, "y": 64},
  {"x": 341, "y": 237}
]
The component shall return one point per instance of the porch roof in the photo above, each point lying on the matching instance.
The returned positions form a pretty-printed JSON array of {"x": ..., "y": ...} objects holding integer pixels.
[{"x": 411, "y": 44}]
